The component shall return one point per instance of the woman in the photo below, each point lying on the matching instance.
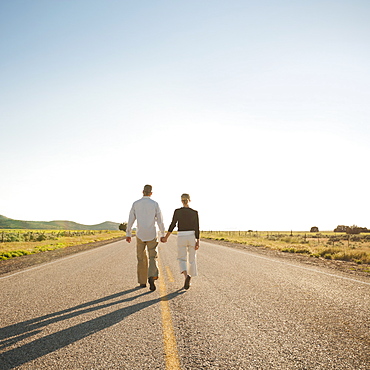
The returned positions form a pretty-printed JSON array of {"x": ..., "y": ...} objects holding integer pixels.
[{"x": 187, "y": 238}]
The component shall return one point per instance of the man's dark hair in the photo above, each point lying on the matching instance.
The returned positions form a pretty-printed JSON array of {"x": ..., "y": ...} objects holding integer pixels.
[{"x": 147, "y": 189}]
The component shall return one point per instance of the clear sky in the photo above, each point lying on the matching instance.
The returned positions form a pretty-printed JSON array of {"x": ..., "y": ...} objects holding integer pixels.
[{"x": 259, "y": 109}]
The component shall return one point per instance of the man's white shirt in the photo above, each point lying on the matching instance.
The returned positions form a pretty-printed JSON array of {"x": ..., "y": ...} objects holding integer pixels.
[{"x": 146, "y": 212}]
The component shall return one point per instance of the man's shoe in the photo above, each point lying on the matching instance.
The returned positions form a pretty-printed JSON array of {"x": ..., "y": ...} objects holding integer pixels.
[
  {"x": 187, "y": 282},
  {"x": 142, "y": 286},
  {"x": 152, "y": 285}
]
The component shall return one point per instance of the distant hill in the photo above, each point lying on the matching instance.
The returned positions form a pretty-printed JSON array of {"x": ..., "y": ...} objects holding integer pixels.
[{"x": 8, "y": 223}]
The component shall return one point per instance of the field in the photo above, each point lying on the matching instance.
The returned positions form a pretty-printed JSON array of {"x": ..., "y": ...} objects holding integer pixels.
[
  {"x": 14, "y": 243},
  {"x": 328, "y": 245}
]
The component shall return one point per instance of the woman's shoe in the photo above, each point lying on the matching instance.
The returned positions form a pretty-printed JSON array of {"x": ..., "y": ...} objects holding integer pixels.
[{"x": 187, "y": 282}]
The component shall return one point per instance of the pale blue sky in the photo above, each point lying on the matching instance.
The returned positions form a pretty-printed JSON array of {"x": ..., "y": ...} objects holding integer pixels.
[{"x": 259, "y": 109}]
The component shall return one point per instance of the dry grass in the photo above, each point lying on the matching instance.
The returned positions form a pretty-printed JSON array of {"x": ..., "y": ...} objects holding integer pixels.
[
  {"x": 329, "y": 245},
  {"x": 22, "y": 244}
]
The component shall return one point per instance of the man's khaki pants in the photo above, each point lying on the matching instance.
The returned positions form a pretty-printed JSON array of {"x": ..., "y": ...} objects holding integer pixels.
[{"x": 143, "y": 271}]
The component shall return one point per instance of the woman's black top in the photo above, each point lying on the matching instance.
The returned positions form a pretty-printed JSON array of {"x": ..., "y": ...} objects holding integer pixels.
[{"x": 186, "y": 219}]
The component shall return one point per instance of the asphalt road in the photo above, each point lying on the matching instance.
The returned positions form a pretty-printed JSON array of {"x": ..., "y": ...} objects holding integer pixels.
[{"x": 245, "y": 310}]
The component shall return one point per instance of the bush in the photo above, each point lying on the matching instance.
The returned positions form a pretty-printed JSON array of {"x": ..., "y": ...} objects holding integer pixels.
[
  {"x": 288, "y": 250},
  {"x": 296, "y": 250},
  {"x": 7, "y": 255},
  {"x": 41, "y": 237}
]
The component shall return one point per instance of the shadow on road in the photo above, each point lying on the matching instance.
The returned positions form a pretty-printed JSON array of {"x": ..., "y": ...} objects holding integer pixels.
[{"x": 39, "y": 347}]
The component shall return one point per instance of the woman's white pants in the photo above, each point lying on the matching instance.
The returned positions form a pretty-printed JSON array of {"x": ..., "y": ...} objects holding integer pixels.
[{"x": 186, "y": 253}]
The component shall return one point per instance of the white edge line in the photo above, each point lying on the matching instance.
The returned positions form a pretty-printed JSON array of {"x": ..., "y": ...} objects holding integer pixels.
[
  {"x": 55, "y": 261},
  {"x": 287, "y": 263}
]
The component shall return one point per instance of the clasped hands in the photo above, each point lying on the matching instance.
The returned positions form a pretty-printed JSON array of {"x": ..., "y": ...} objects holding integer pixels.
[{"x": 163, "y": 239}]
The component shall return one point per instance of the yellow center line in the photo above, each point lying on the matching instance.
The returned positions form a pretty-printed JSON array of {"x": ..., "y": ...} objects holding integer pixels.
[
  {"x": 169, "y": 274},
  {"x": 169, "y": 339}
]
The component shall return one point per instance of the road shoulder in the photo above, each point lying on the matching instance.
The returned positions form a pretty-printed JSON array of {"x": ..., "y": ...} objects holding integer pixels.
[{"x": 23, "y": 262}]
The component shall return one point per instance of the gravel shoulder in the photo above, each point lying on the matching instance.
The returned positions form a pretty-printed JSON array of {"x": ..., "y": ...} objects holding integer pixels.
[
  {"x": 351, "y": 268},
  {"x": 23, "y": 262}
]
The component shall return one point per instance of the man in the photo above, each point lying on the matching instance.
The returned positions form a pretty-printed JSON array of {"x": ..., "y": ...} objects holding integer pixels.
[{"x": 146, "y": 212}]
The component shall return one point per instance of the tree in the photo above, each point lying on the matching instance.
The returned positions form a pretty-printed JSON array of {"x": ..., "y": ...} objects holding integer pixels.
[
  {"x": 122, "y": 226},
  {"x": 314, "y": 229},
  {"x": 353, "y": 230},
  {"x": 341, "y": 229}
]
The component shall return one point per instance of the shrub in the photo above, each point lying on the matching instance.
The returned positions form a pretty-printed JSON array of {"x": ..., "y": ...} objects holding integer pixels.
[
  {"x": 41, "y": 237},
  {"x": 286, "y": 239},
  {"x": 7, "y": 255}
]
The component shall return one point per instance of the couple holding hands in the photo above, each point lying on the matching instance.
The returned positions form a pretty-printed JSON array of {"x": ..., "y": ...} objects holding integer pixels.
[{"x": 147, "y": 212}]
